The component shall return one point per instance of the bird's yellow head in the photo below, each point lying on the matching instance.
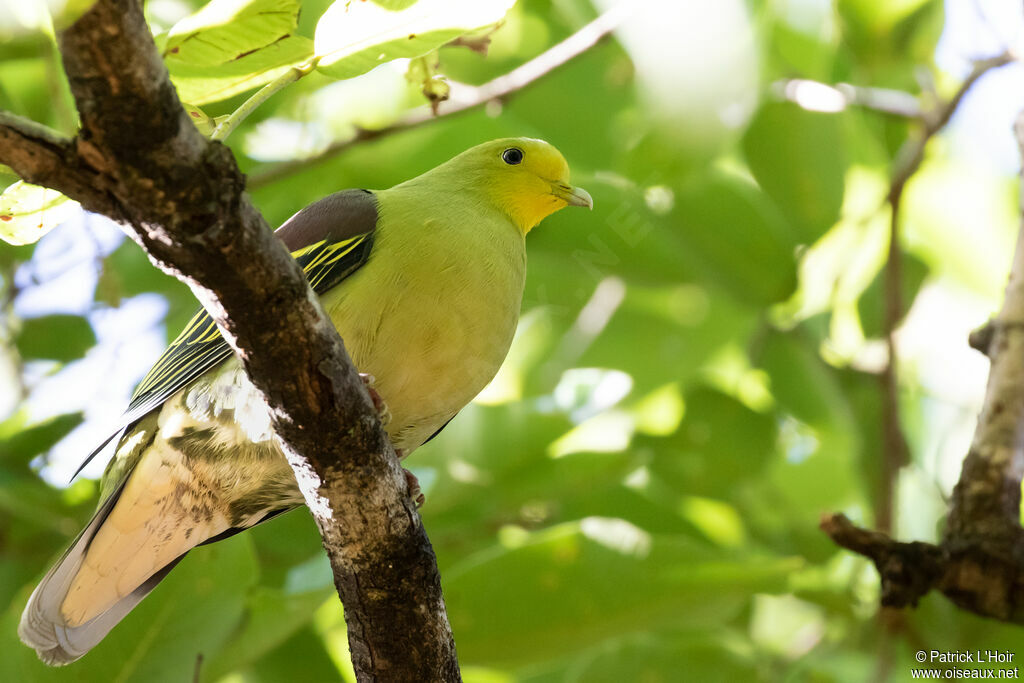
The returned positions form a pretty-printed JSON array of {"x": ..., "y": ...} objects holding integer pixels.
[{"x": 527, "y": 179}]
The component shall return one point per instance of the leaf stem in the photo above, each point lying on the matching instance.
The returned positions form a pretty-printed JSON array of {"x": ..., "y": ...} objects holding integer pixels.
[{"x": 228, "y": 125}]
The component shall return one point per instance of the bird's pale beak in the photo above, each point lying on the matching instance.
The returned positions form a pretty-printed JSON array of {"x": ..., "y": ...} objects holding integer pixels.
[{"x": 573, "y": 196}]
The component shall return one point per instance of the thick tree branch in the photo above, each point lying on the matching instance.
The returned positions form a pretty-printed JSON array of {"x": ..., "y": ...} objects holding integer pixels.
[
  {"x": 820, "y": 96},
  {"x": 138, "y": 159},
  {"x": 985, "y": 510},
  {"x": 464, "y": 97},
  {"x": 43, "y": 157}
]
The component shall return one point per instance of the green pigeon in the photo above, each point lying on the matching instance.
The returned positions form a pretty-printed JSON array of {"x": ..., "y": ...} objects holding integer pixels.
[{"x": 424, "y": 283}]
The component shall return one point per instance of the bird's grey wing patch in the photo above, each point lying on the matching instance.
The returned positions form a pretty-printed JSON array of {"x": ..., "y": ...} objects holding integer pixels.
[{"x": 335, "y": 218}]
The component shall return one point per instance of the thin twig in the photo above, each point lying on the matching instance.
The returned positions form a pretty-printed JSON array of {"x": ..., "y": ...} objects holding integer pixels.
[
  {"x": 820, "y": 96},
  {"x": 467, "y": 97},
  {"x": 895, "y": 453},
  {"x": 225, "y": 128},
  {"x": 911, "y": 154}
]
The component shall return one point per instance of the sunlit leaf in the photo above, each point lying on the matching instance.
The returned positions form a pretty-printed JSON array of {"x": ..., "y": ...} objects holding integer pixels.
[
  {"x": 890, "y": 38},
  {"x": 354, "y": 37},
  {"x": 224, "y": 30},
  {"x": 27, "y": 212},
  {"x": 395, "y": 5},
  {"x": 204, "y": 123},
  {"x": 198, "y": 84}
]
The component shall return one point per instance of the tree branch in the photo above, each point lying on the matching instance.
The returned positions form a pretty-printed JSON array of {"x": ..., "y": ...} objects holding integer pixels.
[
  {"x": 985, "y": 509},
  {"x": 42, "y": 156},
  {"x": 140, "y": 160},
  {"x": 911, "y": 154},
  {"x": 895, "y": 453},
  {"x": 980, "y": 563},
  {"x": 464, "y": 97}
]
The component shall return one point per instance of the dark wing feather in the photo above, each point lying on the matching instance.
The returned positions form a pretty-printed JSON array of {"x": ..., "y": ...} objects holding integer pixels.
[
  {"x": 439, "y": 430},
  {"x": 200, "y": 347},
  {"x": 330, "y": 239}
]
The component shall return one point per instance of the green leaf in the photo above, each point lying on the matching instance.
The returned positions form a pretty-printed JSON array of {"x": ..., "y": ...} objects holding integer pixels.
[
  {"x": 679, "y": 354},
  {"x": 201, "y": 84},
  {"x": 565, "y": 588},
  {"x": 395, "y": 5},
  {"x": 708, "y": 454},
  {"x": 821, "y": 440},
  {"x": 891, "y": 38},
  {"x": 38, "y": 438},
  {"x": 305, "y": 651},
  {"x": 871, "y": 305},
  {"x": 224, "y": 30},
  {"x": 271, "y": 617},
  {"x": 797, "y": 157},
  {"x": 797, "y": 53},
  {"x": 354, "y": 37},
  {"x": 133, "y": 272},
  {"x": 734, "y": 237},
  {"x": 662, "y": 657},
  {"x": 27, "y": 212},
  {"x": 204, "y": 123},
  {"x": 56, "y": 337},
  {"x": 802, "y": 382}
]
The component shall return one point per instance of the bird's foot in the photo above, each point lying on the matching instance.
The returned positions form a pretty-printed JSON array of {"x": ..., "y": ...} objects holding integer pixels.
[
  {"x": 415, "y": 493},
  {"x": 383, "y": 412}
]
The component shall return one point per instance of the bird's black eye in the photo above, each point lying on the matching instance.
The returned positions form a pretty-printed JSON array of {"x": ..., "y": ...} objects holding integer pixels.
[{"x": 512, "y": 156}]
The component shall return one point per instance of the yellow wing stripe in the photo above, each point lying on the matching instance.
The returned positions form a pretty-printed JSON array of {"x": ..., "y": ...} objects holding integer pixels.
[{"x": 200, "y": 345}]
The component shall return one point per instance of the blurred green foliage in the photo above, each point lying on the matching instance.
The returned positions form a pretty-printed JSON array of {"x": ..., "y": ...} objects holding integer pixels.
[{"x": 636, "y": 497}]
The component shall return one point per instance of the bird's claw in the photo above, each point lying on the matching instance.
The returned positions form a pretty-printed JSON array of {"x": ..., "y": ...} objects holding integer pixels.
[
  {"x": 383, "y": 412},
  {"x": 415, "y": 493}
]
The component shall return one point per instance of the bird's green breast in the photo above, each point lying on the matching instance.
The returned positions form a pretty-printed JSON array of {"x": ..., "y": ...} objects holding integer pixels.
[{"x": 432, "y": 313}]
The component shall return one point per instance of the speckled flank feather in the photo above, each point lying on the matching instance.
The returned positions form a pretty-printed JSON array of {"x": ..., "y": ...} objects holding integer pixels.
[
  {"x": 430, "y": 311},
  {"x": 206, "y": 462}
]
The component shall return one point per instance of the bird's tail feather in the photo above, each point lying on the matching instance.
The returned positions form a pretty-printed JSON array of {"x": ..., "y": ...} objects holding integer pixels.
[{"x": 43, "y": 626}]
